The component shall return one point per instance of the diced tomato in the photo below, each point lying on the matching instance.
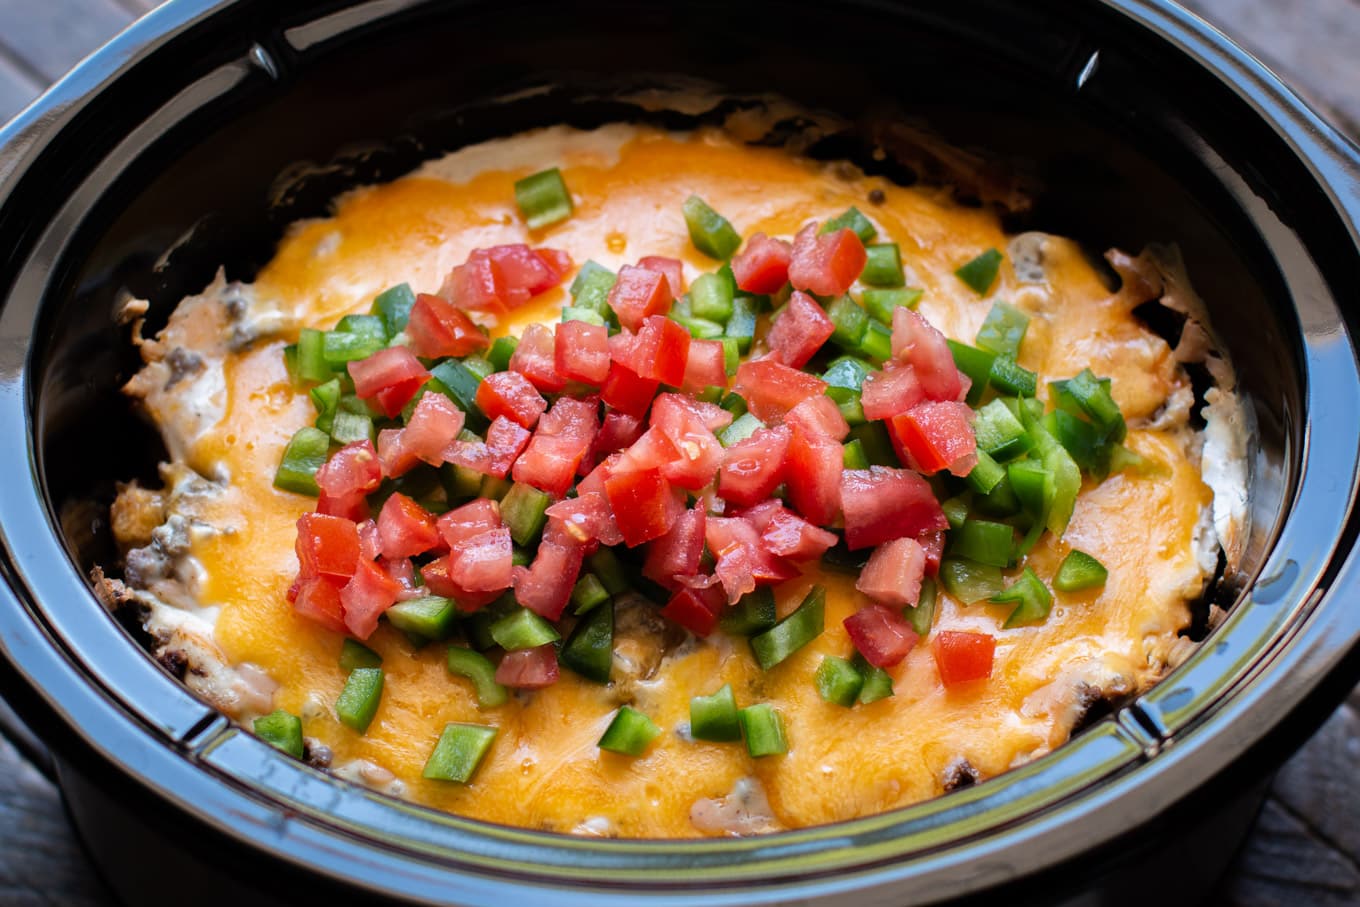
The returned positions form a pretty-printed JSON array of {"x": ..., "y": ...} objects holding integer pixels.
[
  {"x": 812, "y": 472},
  {"x": 963, "y": 657},
  {"x": 761, "y": 514},
  {"x": 616, "y": 432},
  {"x": 595, "y": 479},
  {"x": 771, "y": 388},
  {"x": 788, "y": 535},
  {"x": 587, "y": 518},
  {"x": 483, "y": 562},
  {"x": 621, "y": 348},
  {"x": 742, "y": 559},
  {"x": 916, "y": 341},
  {"x": 403, "y": 573},
  {"x": 405, "y": 528},
  {"x": 753, "y": 467},
  {"x": 679, "y": 551},
  {"x": 505, "y": 441},
  {"x": 511, "y": 395},
  {"x": 893, "y": 574},
  {"x": 476, "y": 284},
  {"x": 692, "y": 454},
  {"x": 366, "y": 597},
  {"x": 437, "y": 580},
  {"x": 798, "y": 331},
  {"x": 826, "y": 265},
  {"x": 318, "y": 599},
  {"x": 536, "y": 359},
  {"x": 527, "y": 272},
  {"x": 434, "y": 424},
  {"x": 936, "y": 435},
  {"x": 393, "y": 455},
  {"x": 558, "y": 261},
  {"x": 706, "y": 366},
  {"x": 564, "y": 435},
  {"x": 654, "y": 450},
  {"x": 643, "y": 503},
  {"x": 819, "y": 415},
  {"x": 638, "y": 293},
  {"x": 468, "y": 521},
  {"x": 438, "y": 328},
  {"x": 625, "y": 391},
  {"x": 350, "y": 506},
  {"x": 670, "y": 411},
  {"x": 370, "y": 540},
  {"x": 763, "y": 266},
  {"x": 891, "y": 391},
  {"x": 545, "y": 586},
  {"x": 932, "y": 543},
  {"x": 671, "y": 267},
  {"x": 528, "y": 669},
  {"x": 881, "y": 504},
  {"x": 327, "y": 546},
  {"x": 353, "y": 469},
  {"x": 661, "y": 350},
  {"x": 390, "y": 378},
  {"x": 696, "y": 610},
  {"x": 581, "y": 352},
  {"x": 881, "y": 635}
]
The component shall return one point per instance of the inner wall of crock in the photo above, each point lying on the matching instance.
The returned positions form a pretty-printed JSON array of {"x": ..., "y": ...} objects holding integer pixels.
[{"x": 1116, "y": 162}]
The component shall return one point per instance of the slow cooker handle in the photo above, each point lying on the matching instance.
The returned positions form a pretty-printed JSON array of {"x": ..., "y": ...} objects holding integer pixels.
[{"x": 13, "y": 729}]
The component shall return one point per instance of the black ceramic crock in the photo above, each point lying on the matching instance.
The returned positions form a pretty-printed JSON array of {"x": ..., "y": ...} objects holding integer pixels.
[{"x": 1140, "y": 122}]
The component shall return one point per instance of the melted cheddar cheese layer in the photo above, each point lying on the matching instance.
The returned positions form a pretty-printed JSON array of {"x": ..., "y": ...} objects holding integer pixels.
[{"x": 544, "y": 769}]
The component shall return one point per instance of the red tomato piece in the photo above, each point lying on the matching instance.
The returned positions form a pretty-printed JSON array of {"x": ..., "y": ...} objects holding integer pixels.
[
  {"x": 812, "y": 472},
  {"x": 403, "y": 573},
  {"x": 696, "y": 610},
  {"x": 405, "y": 528},
  {"x": 366, "y": 597},
  {"x": 763, "y": 266},
  {"x": 476, "y": 284},
  {"x": 616, "y": 432},
  {"x": 564, "y": 435},
  {"x": 771, "y": 388},
  {"x": 353, "y": 469},
  {"x": 528, "y": 669},
  {"x": 893, "y": 574},
  {"x": 916, "y": 341},
  {"x": 826, "y": 265},
  {"x": 936, "y": 435},
  {"x": 819, "y": 415},
  {"x": 638, "y": 293},
  {"x": 881, "y": 504},
  {"x": 706, "y": 366},
  {"x": 932, "y": 543},
  {"x": 788, "y": 535},
  {"x": 318, "y": 599},
  {"x": 891, "y": 391},
  {"x": 581, "y": 352},
  {"x": 595, "y": 479},
  {"x": 672, "y": 411},
  {"x": 393, "y": 455},
  {"x": 626, "y": 392},
  {"x": 654, "y": 450},
  {"x": 545, "y": 586},
  {"x": 798, "y": 331},
  {"x": 350, "y": 506},
  {"x": 370, "y": 541},
  {"x": 557, "y": 261},
  {"x": 963, "y": 657},
  {"x": 679, "y": 551},
  {"x": 587, "y": 518},
  {"x": 536, "y": 359},
  {"x": 525, "y": 272},
  {"x": 761, "y": 514},
  {"x": 643, "y": 503},
  {"x": 743, "y": 562},
  {"x": 661, "y": 350},
  {"x": 753, "y": 467},
  {"x": 881, "y": 635},
  {"x": 438, "y": 328},
  {"x": 505, "y": 441},
  {"x": 693, "y": 454},
  {"x": 511, "y": 395},
  {"x": 434, "y": 424},
  {"x": 468, "y": 521},
  {"x": 621, "y": 348},
  {"x": 483, "y": 562},
  {"x": 327, "y": 546},
  {"x": 670, "y": 267},
  {"x": 390, "y": 378},
  {"x": 438, "y": 582}
]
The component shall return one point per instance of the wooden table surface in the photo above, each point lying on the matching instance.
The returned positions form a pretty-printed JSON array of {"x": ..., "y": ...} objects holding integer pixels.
[{"x": 1305, "y": 848}]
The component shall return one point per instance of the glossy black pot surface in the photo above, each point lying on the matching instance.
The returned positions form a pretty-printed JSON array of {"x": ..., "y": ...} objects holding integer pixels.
[{"x": 1141, "y": 124}]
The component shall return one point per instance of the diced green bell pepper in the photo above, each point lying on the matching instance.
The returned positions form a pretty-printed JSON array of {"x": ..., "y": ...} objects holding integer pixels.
[
  {"x": 714, "y": 717},
  {"x": 460, "y": 750},
  {"x": 630, "y": 733},
  {"x": 763, "y": 727},
  {"x": 429, "y": 617},
  {"x": 710, "y": 232},
  {"x": 883, "y": 266},
  {"x": 523, "y": 629},
  {"x": 1032, "y": 600},
  {"x": 354, "y": 654},
  {"x": 1078, "y": 572},
  {"x": 980, "y": 273},
  {"x": 1003, "y": 330},
  {"x": 968, "y": 581},
  {"x": 838, "y": 682},
  {"x": 304, "y": 455},
  {"x": 281, "y": 730},
  {"x": 543, "y": 199},
  {"x": 589, "y": 650},
  {"x": 358, "y": 701},
  {"x": 477, "y": 668},
  {"x": 796, "y": 630}
]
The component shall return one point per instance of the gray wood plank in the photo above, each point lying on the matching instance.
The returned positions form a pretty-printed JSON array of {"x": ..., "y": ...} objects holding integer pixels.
[
  {"x": 52, "y": 36},
  {"x": 17, "y": 88},
  {"x": 1284, "y": 865}
]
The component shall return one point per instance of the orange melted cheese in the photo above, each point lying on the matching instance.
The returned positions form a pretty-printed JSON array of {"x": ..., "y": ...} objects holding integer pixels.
[{"x": 544, "y": 769}]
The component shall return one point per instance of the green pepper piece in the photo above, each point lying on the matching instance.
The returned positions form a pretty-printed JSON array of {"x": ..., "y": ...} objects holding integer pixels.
[
  {"x": 461, "y": 748},
  {"x": 734, "y": 403},
  {"x": 304, "y": 455},
  {"x": 524, "y": 511},
  {"x": 1003, "y": 330},
  {"x": 460, "y": 482},
  {"x": 956, "y": 510},
  {"x": 1027, "y": 479},
  {"x": 731, "y": 355},
  {"x": 922, "y": 615},
  {"x": 847, "y": 373},
  {"x": 699, "y": 328},
  {"x": 590, "y": 289},
  {"x": 983, "y": 541},
  {"x": 801, "y": 627},
  {"x": 502, "y": 348},
  {"x": 462, "y": 383},
  {"x": 1000, "y": 433},
  {"x": 1080, "y": 439},
  {"x": 394, "y": 306},
  {"x": 838, "y": 682},
  {"x": 980, "y": 273},
  {"x": 477, "y": 668},
  {"x": 969, "y": 581},
  {"x": 710, "y": 232},
  {"x": 1001, "y": 501},
  {"x": 763, "y": 727},
  {"x": 1078, "y": 572},
  {"x": 358, "y": 701},
  {"x": 878, "y": 683},
  {"x": 753, "y": 613},
  {"x": 853, "y": 456},
  {"x": 630, "y": 733},
  {"x": 740, "y": 429},
  {"x": 589, "y": 316},
  {"x": 354, "y": 654},
  {"x": 714, "y": 717},
  {"x": 1009, "y": 378},
  {"x": 589, "y": 650},
  {"x": 350, "y": 427},
  {"x": 523, "y": 629},
  {"x": 494, "y": 488},
  {"x": 281, "y": 730},
  {"x": 429, "y": 617},
  {"x": 883, "y": 266},
  {"x": 604, "y": 564},
  {"x": 588, "y": 594},
  {"x": 877, "y": 342},
  {"x": 543, "y": 199},
  {"x": 882, "y": 303},
  {"x": 1092, "y": 396},
  {"x": 477, "y": 626},
  {"x": 849, "y": 320},
  {"x": 711, "y": 297},
  {"x": 851, "y": 219},
  {"x": 311, "y": 364},
  {"x": 1033, "y": 600},
  {"x": 1062, "y": 482},
  {"x": 987, "y": 474},
  {"x": 741, "y": 327},
  {"x": 340, "y": 347},
  {"x": 877, "y": 444},
  {"x": 976, "y": 364},
  {"x": 326, "y": 398}
]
